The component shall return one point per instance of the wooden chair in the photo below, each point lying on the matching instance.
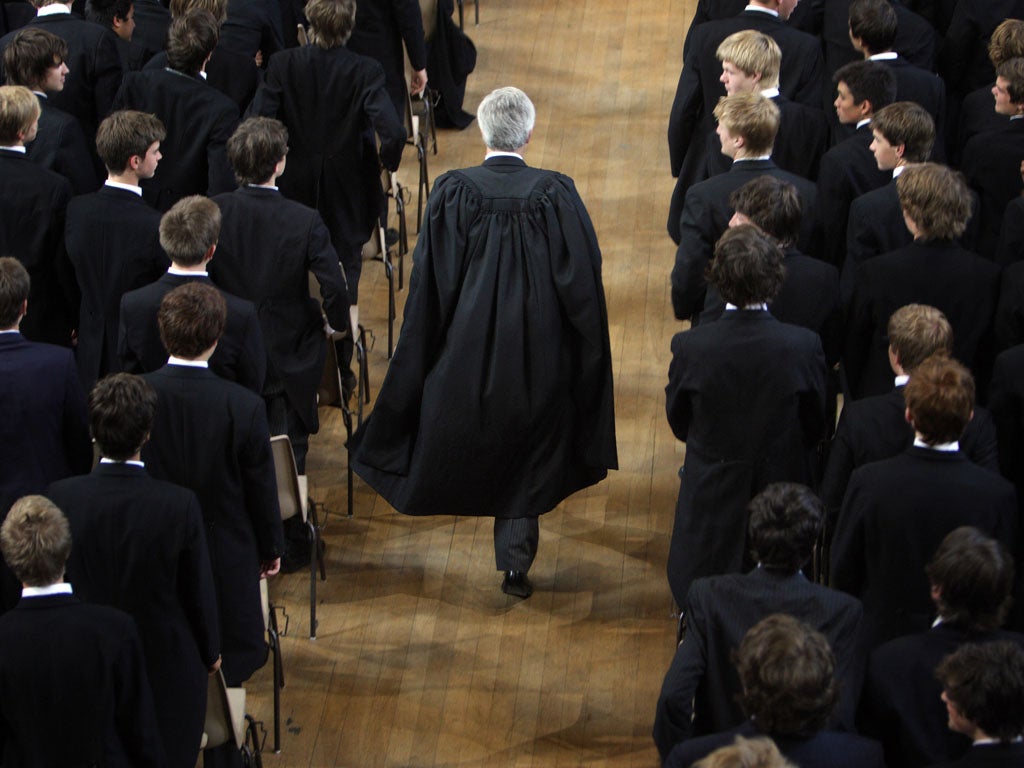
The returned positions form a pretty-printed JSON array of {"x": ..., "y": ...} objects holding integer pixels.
[
  {"x": 274, "y": 642},
  {"x": 227, "y": 722},
  {"x": 330, "y": 392},
  {"x": 293, "y": 496},
  {"x": 415, "y": 130},
  {"x": 476, "y": 13},
  {"x": 377, "y": 249}
]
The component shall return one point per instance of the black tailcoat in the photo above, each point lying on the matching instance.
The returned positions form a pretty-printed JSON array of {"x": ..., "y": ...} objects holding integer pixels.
[
  {"x": 113, "y": 241},
  {"x": 232, "y": 73},
  {"x": 847, "y": 171},
  {"x": 32, "y": 230},
  {"x": 895, "y": 514},
  {"x": 240, "y": 355},
  {"x": 199, "y": 120},
  {"x": 139, "y": 546},
  {"x": 746, "y": 394},
  {"x": 705, "y": 217},
  {"x": 332, "y": 102},
  {"x": 809, "y": 297},
  {"x": 498, "y": 400},
  {"x": 916, "y": 40},
  {"x": 94, "y": 66},
  {"x": 938, "y": 273},
  {"x": 253, "y": 25},
  {"x": 152, "y": 20},
  {"x": 211, "y": 435},
  {"x": 991, "y": 162},
  {"x": 874, "y": 428},
  {"x": 824, "y": 749},
  {"x": 965, "y": 63},
  {"x": 1011, "y": 236},
  {"x": 60, "y": 146},
  {"x": 43, "y": 432},
  {"x": 268, "y": 246},
  {"x": 73, "y": 687},
  {"x": 698, "y": 695},
  {"x": 901, "y": 705},
  {"x": 381, "y": 28}
]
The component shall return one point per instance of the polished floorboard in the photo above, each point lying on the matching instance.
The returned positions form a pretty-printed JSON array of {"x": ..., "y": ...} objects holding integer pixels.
[{"x": 420, "y": 660}]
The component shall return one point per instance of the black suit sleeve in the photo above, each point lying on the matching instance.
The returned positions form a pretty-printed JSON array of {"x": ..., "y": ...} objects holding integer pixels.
[
  {"x": 74, "y": 161},
  {"x": 410, "y": 24},
  {"x": 77, "y": 444},
  {"x": 135, "y": 716},
  {"x": 387, "y": 125},
  {"x": 252, "y": 358},
  {"x": 109, "y": 73},
  {"x": 322, "y": 261},
  {"x": 221, "y": 177},
  {"x": 687, "y": 109},
  {"x": 846, "y": 564},
  {"x": 696, "y": 244}
]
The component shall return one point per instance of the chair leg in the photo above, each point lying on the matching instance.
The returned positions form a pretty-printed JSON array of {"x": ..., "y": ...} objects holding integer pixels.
[
  {"x": 275, "y": 649},
  {"x": 314, "y": 556},
  {"x": 318, "y": 543},
  {"x": 346, "y": 416},
  {"x": 476, "y": 12},
  {"x": 460, "y": 13},
  {"x": 389, "y": 270},
  {"x": 403, "y": 239},
  {"x": 424, "y": 186},
  {"x": 363, "y": 391}
]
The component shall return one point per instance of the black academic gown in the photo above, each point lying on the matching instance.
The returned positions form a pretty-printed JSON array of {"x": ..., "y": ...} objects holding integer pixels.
[{"x": 498, "y": 400}]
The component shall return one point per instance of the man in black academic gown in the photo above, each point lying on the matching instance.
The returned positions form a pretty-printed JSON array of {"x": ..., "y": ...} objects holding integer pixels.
[
  {"x": 113, "y": 237},
  {"x": 73, "y": 687},
  {"x": 498, "y": 401},
  {"x": 35, "y": 59},
  {"x": 746, "y": 393},
  {"x": 140, "y": 546},
  {"x": 983, "y": 688}
]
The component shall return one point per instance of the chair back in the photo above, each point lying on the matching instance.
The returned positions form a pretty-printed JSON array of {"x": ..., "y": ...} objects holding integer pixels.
[
  {"x": 289, "y": 494},
  {"x": 225, "y": 714}
]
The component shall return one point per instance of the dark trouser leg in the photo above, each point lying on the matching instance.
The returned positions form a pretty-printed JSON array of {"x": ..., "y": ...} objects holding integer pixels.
[{"x": 515, "y": 542}]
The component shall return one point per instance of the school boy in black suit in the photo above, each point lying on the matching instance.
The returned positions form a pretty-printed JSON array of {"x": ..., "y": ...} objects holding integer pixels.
[
  {"x": 971, "y": 577},
  {"x": 45, "y": 437},
  {"x": 698, "y": 695},
  {"x": 211, "y": 436},
  {"x": 119, "y": 17},
  {"x": 875, "y": 428},
  {"x": 199, "y": 119},
  {"x": 747, "y": 126},
  {"x": 32, "y": 222},
  {"x": 991, "y": 161},
  {"x": 35, "y": 59},
  {"x": 94, "y": 65},
  {"x": 848, "y": 170},
  {"x": 380, "y": 30},
  {"x": 113, "y": 237},
  {"x": 268, "y": 246},
  {"x": 333, "y": 101},
  {"x": 897, "y": 511},
  {"x": 873, "y": 26},
  {"x": 801, "y": 79},
  {"x": 750, "y": 64},
  {"x": 140, "y": 547},
  {"x": 809, "y": 295},
  {"x": 746, "y": 394},
  {"x": 240, "y": 355},
  {"x": 788, "y": 692},
  {"x": 983, "y": 689},
  {"x": 902, "y": 133},
  {"x": 916, "y": 40},
  {"x": 66, "y": 662},
  {"x": 965, "y": 64},
  {"x": 932, "y": 270}
]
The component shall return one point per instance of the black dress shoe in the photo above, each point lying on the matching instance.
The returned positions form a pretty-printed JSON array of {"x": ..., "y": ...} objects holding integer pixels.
[{"x": 517, "y": 584}]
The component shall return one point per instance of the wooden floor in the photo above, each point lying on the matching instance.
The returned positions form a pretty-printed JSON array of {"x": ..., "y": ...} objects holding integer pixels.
[{"x": 420, "y": 659}]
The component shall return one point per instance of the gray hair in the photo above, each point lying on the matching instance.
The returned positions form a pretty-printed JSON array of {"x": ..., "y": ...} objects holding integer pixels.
[{"x": 506, "y": 117}]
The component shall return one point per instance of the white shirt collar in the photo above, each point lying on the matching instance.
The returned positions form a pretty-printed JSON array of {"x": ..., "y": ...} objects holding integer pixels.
[
  {"x": 762, "y": 305},
  {"x": 60, "y": 588},
  {"x": 172, "y": 360},
  {"x": 901, "y": 380},
  {"x": 105, "y": 460},
  {"x": 53, "y": 10},
  {"x": 862, "y": 123},
  {"x": 120, "y": 185},
  {"x": 751, "y": 159},
  {"x": 499, "y": 153},
  {"x": 11, "y": 330},
  {"x": 264, "y": 186},
  {"x": 759, "y": 9},
  {"x": 770, "y": 93},
  {"x": 887, "y": 56},
  {"x": 1016, "y": 117},
  {"x": 898, "y": 170},
  {"x": 944, "y": 447},
  {"x": 172, "y": 270},
  {"x": 16, "y": 148},
  {"x": 202, "y": 73},
  {"x": 40, "y": 94}
]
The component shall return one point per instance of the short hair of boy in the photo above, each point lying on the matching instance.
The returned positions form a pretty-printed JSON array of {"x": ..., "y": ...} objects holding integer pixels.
[
  {"x": 875, "y": 23},
  {"x": 918, "y": 331},
  {"x": 785, "y": 519},
  {"x": 1007, "y": 42},
  {"x": 255, "y": 149},
  {"x": 14, "y": 290},
  {"x": 331, "y": 21},
  {"x": 219, "y": 8},
  {"x": 752, "y": 52},
  {"x": 121, "y": 409},
  {"x": 746, "y": 753},
  {"x": 31, "y": 52},
  {"x": 940, "y": 398},
  {"x": 909, "y": 124},
  {"x": 189, "y": 228},
  {"x": 191, "y": 38},
  {"x": 973, "y": 575},
  {"x": 191, "y": 319},
  {"x": 936, "y": 199},
  {"x": 103, "y": 12},
  {"x": 747, "y": 268},
  {"x": 1013, "y": 71},
  {"x": 773, "y": 205},
  {"x": 985, "y": 682},
  {"x": 751, "y": 116},
  {"x": 868, "y": 81},
  {"x": 36, "y": 540},
  {"x": 125, "y": 134},
  {"x": 19, "y": 110}
]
